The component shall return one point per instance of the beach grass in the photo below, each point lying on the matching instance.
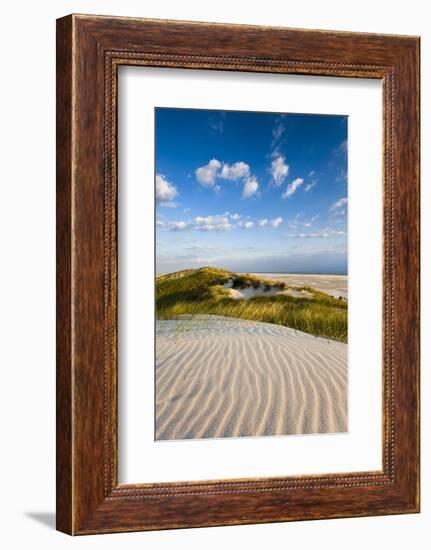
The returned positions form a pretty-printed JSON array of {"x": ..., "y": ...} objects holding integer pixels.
[{"x": 199, "y": 292}]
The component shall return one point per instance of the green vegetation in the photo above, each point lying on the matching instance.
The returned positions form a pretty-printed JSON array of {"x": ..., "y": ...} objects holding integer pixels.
[{"x": 199, "y": 292}]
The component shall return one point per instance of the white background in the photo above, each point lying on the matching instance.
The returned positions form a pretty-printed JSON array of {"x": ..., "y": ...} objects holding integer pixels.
[
  {"x": 141, "y": 458},
  {"x": 27, "y": 125}
]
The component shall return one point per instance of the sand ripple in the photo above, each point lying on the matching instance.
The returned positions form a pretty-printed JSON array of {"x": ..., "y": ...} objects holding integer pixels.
[{"x": 222, "y": 377}]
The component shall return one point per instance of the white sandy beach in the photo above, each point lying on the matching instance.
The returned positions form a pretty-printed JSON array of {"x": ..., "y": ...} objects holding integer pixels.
[
  {"x": 334, "y": 285},
  {"x": 224, "y": 377}
]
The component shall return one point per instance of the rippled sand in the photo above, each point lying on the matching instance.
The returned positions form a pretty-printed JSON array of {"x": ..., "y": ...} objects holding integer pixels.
[{"x": 224, "y": 377}]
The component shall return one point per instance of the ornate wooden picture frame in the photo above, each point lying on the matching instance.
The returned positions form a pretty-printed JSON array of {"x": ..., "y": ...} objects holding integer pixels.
[{"x": 89, "y": 51}]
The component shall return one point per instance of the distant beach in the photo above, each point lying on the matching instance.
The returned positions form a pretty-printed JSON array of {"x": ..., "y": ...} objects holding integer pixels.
[{"x": 334, "y": 285}]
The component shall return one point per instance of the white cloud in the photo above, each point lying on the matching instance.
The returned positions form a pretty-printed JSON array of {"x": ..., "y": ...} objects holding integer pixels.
[
  {"x": 235, "y": 171},
  {"x": 277, "y": 135},
  {"x": 339, "y": 204},
  {"x": 217, "y": 126},
  {"x": 341, "y": 175},
  {"x": 278, "y": 131},
  {"x": 279, "y": 170},
  {"x": 296, "y": 223},
  {"x": 338, "y": 214},
  {"x": 206, "y": 175},
  {"x": 310, "y": 186},
  {"x": 251, "y": 186},
  {"x": 323, "y": 233},
  {"x": 342, "y": 148},
  {"x": 264, "y": 222},
  {"x": 178, "y": 226},
  {"x": 216, "y": 227},
  {"x": 247, "y": 225},
  {"x": 217, "y": 222},
  {"x": 170, "y": 204},
  {"x": 165, "y": 191},
  {"x": 276, "y": 221},
  {"x": 292, "y": 187},
  {"x": 220, "y": 222},
  {"x": 310, "y": 222}
]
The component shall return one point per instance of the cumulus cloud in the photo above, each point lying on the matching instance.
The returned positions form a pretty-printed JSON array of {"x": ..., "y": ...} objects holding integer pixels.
[
  {"x": 279, "y": 170},
  {"x": 220, "y": 222},
  {"x": 292, "y": 187},
  {"x": 339, "y": 204},
  {"x": 276, "y": 221},
  {"x": 245, "y": 225},
  {"x": 251, "y": 187},
  {"x": 238, "y": 171},
  {"x": 165, "y": 191},
  {"x": 265, "y": 222},
  {"x": 178, "y": 226},
  {"x": 209, "y": 223},
  {"x": 206, "y": 175},
  {"x": 235, "y": 171}
]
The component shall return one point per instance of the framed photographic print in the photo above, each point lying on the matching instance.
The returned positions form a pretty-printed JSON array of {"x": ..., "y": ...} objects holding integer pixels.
[{"x": 237, "y": 274}]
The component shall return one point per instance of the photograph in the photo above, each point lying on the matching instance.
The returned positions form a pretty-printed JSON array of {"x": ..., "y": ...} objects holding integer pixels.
[{"x": 251, "y": 274}]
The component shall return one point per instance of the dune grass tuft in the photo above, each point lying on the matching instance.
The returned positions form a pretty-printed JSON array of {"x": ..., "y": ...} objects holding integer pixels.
[{"x": 199, "y": 291}]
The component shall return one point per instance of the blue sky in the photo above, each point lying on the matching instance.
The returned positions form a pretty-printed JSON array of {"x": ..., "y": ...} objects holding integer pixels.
[{"x": 251, "y": 191}]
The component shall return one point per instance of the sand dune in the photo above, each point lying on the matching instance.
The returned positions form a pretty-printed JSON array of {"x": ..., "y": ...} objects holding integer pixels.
[
  {"x": 252, "y": 292},
  {"x": 224, "y": 377},
  {"x": 334, "y": 285}
]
